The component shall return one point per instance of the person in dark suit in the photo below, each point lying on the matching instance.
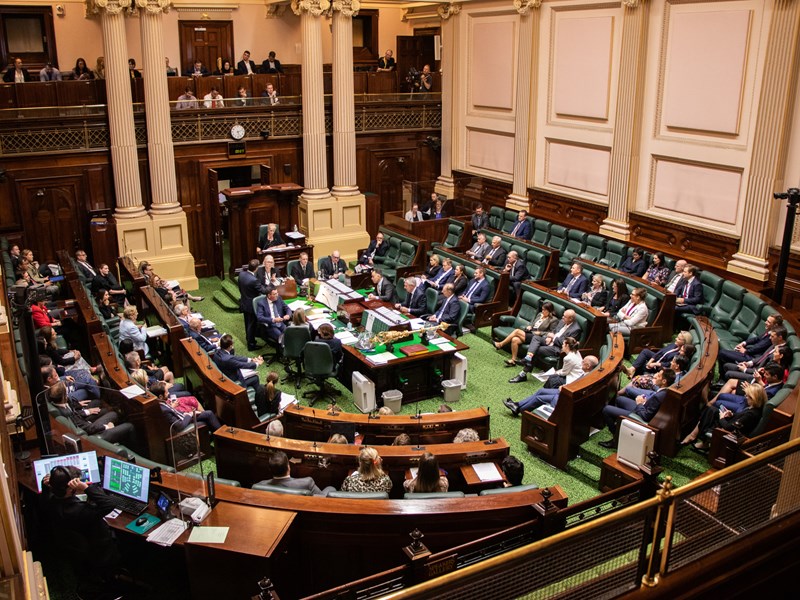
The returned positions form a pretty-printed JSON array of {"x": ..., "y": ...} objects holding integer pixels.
[
  {"x": 477, "y": 291},
  {"x": 634, "y": 264},
  {"x": 522, "y": 228},
  {"x": 231, "y": 366},
  {"x": 173, "y": 415},
  {"x": 644, "y": 408},
  {"x": 17, "y": 74},
  {"x": 303, "y": 270},
  {"x": 249, "y": 290},
  {"x": 444, "y": 276},
  {"x": 86, "y": 270},
  {"x": 517, "y": 273},
  {"x": 281, "y": 476},
  {"x": 384, "y": 290},
  {"x": 746, "y": 369},
  {"x": 549, "y": 343},
  {"x": 273, "y": 315},
  {"x": 105, "y": 280},
  {"x": 689, "y": 292},
  {"x": 197, "y": 70},
  {"x": 460, "y": 281},
  {"x": 132, "y": 70},
  {"x": 675, "y": 277},
  {"x": 575, "y": 284},
  {"x": 271, "y": 64},
  {"x": 744, "y": 420},
  {"x": 752, "y": 347},
  {"x": 415, "y": 303},
  {"x": 332, "y": 266},
  {"x": 447, "y": 308},
  {"x": 650, "y": 360},
  {"x": 377, "y": 247},
  {"x": 209, "y": 344},
  {"x": 246, "y": 66},
  {"x": 479, "y": 220},
  {"x": 770, "y": 376},
  {"x": 271, "y": 238},
  {"x": 496, "y": 256}
]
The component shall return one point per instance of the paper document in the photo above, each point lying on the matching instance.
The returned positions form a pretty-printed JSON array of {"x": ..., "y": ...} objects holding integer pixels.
[
  {"x": 132, "y": 391},
  {"x": 155, "y": 331},
  {"x": 487, "y": 471},
  {"x": 418, "y": 323},
  {"x": 382, "y": 358},
  {"x": 297, "y": 304},
  {"x": 173, "y": 283},
  {"x": 196, "y": 315},
  {"x": 439, "y": 341},
  {"x": 208, "y": 535},
  {"x": 446, "y": 346},
  {"x": 346, "y": 337},
  {"x": 543, "y": 376},
  {"x": 413, "y": 471},
  {"x": 245, "y": 373},
  {"x": 286, "y": 400},
  {"x": 206, "y": 324}
]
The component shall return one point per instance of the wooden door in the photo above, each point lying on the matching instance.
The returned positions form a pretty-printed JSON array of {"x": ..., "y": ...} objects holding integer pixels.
[
  {"x": 413, "y": 51},
  {"x": 217, "y": 262},
  {"x": 206, "y": 41},
  {"x": 389, "y": 169}
]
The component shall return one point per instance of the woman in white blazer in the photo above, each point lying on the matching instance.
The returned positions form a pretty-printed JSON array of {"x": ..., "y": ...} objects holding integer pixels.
[{"x": 634, "y": 314}]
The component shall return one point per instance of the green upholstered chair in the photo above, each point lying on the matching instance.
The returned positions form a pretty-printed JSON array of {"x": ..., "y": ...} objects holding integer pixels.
[
  {"x": 319, "y": 366},
  {"x": 359, "y": 495},
  {"x": 279, "y": 489},
  {"x": 294, "y": 340},
  {"x": 541, "y": 231}
]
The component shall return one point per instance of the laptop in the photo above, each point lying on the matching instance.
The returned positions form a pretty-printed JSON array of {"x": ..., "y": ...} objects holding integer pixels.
[
  {"x": 85, "y": 461},
  {"x": 128, "y": 484}
]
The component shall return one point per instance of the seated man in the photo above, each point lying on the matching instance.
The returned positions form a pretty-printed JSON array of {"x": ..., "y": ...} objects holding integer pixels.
[
  {"x": 273, "y": 314},
  {"x": 447, "y": 308},
  {"x": 281, "y": 476},
  {"x": 245, "y": 66},
  {"x": 546, "y": 395},
  {"x": 83, "y": 392},
  {"x": 376, "y": 247},
  {"x": 477, "y": 291},
  {"x": 105, "y": 281},
  {"x": 550, "y": 343},
  {"x": 271, "y": 64},
  {"x": 522, "y": 228},
  {"x": 689, "y": 292},
  {"x": 332, "y": 266},
  {"x": 271, "y": 238},
  {"x": 415, "y": 302},
  {"x": 496, "y": 256},
  {"x": 197, "y": 70},
  {"x": 732, "y": 397},
  {"x": 480, "y": 248},
  {"x": 270, "y": 95},
  {"x": 575, "y": 283},
  {"x": 517, "y": 273},
  {"x": 181, "y": 420},
  {"x": 231, "y": 366},
  {"x": 752, "y": 348},
  {"x": 303, "y": 270},
  {"x": 87, "y": 271},
  {"x": 676, "y": 276},
  {"x": 209, "y": 344},
  {"x": 213, "y": 99},
  {"x": 415, "y": 214},
  {"x": 384, "y": 290},
  {"x": 745, "y": 369},
  {"x": 445, "y": 275},
  {"x": 645, "y": 408},
  {"x": 653, "y": 360}
]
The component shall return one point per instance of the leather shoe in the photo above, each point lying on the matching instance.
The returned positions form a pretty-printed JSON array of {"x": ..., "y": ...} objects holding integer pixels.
[
  {"x": 519, "y": 378},
  {"x": 608, "y": 444},
  {"x": 512, "y": 406}
]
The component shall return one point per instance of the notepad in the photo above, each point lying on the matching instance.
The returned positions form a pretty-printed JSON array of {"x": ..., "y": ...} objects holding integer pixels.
[
  {"x": 487, "y": 471},
  {"x": 208, "y": 535},
  {"x": 132, "y": 391},
  {"x": 297, "y": 304},
  {"x": 155, "y": 331}
]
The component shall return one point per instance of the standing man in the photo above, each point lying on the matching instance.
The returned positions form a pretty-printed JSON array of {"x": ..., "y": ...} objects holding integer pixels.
[
  {"x": 480, "y": 220},
  {"x": 245, "y": 66},
  {"x": 384, "y": 290},
  {"x": 249, "y": 290},
  {"x": 517, "y": 273}
]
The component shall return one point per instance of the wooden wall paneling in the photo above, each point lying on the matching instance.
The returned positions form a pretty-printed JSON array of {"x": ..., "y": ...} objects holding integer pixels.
[
  {"x": 8, "y": 95},
  {"x": 99, "y": 190},
  {"x": 231, "y": 85},
  {"x": 290, "y": 84},
  {"x": 567, "y": 211},
  {"x": 177, "y": 85},
  {"x": 203, "y": 85},
  {"x": 259, "y": 84},
  {"x": 473, "y": 189},
  {"x": 359, "y": 82},
  {"x": 327, "y": 82},
  {"x": 38, "y": 93},
  {"x": 78, "y": 93},
  {"x": 373, "y": 206},
  {"x": 382, "y": 83},
  {"x": 10, "y": 216}
]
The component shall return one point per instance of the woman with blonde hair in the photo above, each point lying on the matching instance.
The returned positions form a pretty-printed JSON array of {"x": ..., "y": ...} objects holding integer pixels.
[
  {"x": 744, "y": 421},
  {"x": 369, "y": 477},
  {"x": 129, "y": 330}
]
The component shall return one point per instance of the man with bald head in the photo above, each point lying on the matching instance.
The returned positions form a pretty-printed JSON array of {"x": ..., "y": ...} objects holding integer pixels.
[
  {"x": 549, "y": 344},
  {"x": 496, "y": 256},
  {"x": 675, "y": 277},
  {"x": 547, "y": 395},
  {"x": 332, "y": 266},
  {"x": 195, "y": 331}
]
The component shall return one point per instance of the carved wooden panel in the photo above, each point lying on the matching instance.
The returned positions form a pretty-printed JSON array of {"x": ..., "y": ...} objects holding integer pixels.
[{"x": 567, "y": 211}]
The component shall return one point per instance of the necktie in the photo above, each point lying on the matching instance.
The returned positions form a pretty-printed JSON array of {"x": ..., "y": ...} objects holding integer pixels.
[
  {"x": 490, "y": 255},
  {"x": 411, "y": 298},
  {"x": 686, "y": 289},
  {"x": 569, "y": 285},
  {"x": 441, "y": 310},
  {"x": 471, "y": 290},
  {"x": 765, "y": 355},
  {"x": 516, "y": 227},
  {"x": 90, "y": 269}
]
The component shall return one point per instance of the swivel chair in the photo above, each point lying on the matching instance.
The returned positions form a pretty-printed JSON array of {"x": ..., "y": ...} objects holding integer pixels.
[
  {"x": 261, "y": 332},
  {"x": 319, "y": 365},
  {"x": 294, "y": 340}
]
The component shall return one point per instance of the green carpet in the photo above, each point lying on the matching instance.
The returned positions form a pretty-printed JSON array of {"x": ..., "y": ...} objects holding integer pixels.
[{"x": 487, "y": 386}]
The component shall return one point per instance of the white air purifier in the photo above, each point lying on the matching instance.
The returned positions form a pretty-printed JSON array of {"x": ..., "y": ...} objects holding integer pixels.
[
  {"x": 458, "y": 369},
  {"x": 363, "y": 393},
  {"x": 635, "y": 441}
]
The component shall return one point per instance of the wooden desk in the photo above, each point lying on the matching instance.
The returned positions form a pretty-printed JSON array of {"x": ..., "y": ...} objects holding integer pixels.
[
  {"x": 614, "y": 474},
  {"x": 303, "y": 423},
  {"x": 418, "y": 376},
  {"x": 154, "y": 306},
  {"x": 475, "y": 485}
]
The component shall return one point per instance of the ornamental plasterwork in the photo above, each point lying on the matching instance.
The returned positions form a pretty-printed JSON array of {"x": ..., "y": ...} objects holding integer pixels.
[
  {"x": 631, "y": 3},
  {"x": 154, "y": 6},
  {"x": 523, "y": 6},
  {"x": 447, "y": 10},
  {"x": 112, "y": 7},
  {"x": 348, "y": 8},
  {"x": 276, "y": 11},
  {"x": 315, "y": 8}
]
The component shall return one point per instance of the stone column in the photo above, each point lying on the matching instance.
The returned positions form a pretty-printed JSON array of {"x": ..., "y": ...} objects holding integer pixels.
[
  {"x": 170, "y": 252},
  {"x": 770, "y": 143},
  {"x": 344, "y": 122},
  {"x": 628, "y": 120},
  {"x": 445, "y": 185},
  {"x": 525, "y": 101}
]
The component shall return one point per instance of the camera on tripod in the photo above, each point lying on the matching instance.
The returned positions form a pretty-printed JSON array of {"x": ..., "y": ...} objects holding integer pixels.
[{"x": 413, "y": 78}]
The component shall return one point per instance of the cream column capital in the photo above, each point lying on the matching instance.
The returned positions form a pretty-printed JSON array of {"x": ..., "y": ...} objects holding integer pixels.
[
  {"x": 630, "y": 3},
  {"x": 523, "y": 6},
  {"x": 315, "y": 8},
  {"x": 112, "y": 7},
  {"x": 448, "y": 10},
  {"x": 154, "y": 7},
  {"x": 348, "y": 8}
]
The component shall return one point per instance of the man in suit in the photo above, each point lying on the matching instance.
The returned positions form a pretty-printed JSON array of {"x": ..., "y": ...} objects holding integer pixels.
[
  {"x": 575, "y": 283},
  {"x": 645, "y": 408},
  {"x": 689, "y": 292},
  {"x": 303, "y": 270},
  {"x": 376, "y": 248},
  {"x": 281, "y": 476},
  {"x": 496, "y": 256},
  {"x": 273, "y": 314},
  {"x": 732, "y": 394},
  {"x": 479, "y": 220},
  {"x": 522, "y": 228},
  {"x": 676, "y": 276},
  {"x": 332, "y": 266},
  {"x": 82, "y": 389},
  {"x": 744, "y": 370},
  {"x": 384, "y": 290},
  {"x": 197, "y": 70},
  {"x": 549, "y": 344},
  {"x": 249, "y": 290},
  {"x": 477, "y": 291},
  {"x": 517, "y": 273},
  {"x": 415, "y": 304},
  {"x": 246, "y": 66},
  {"x": 271, "y": 64},
  {"x": 87, "y": 271},
  {"x": 445, "y": 275},
  {"x": 648, "y": 359},
  {"x": 231, "y": 366},
  {"x": 752, "y": 347},
  {"x": 447, "y": 308},
  {"x": 479, "y": 248},
  {"x": 209, "y": 344}
]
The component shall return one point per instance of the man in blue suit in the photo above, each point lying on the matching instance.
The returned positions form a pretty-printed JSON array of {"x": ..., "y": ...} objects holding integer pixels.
[
  {"x": 445, "y": 275},
  {"x": 415, "y": 304},
  {"x": 575, "y": 283},
  {"x": 231, "y": 366},
  {"x": 645, "y": 408},
  {"x": 196, "y": 333},
  {"x": 689, "y": 292},
  {"x": 522, "y": 228},
  {"x": 273, "y": 314},
  {"x": 770, "y": 376},
  {"x": 249, "y": 290},
  {"x": 517, "y": 273},
  {"x": 446, "y": 309},
  {"x": 477, "y": 291},
  {"x": 752, "y": 348}
]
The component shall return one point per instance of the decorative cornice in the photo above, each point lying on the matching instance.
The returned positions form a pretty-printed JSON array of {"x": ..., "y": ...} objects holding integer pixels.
[
  {"x": 154, "y": 7},
  {"x": 275, "y": 11},
  {"x": 523, "y": 6},
  {"x": 201, "y": 7},
  {"x": 315, "y": 8},
  {"x": 448, "y": 10},
  {"x": 348, "y": 8},
  {"x": 112, "y": 7},
  {"x": 631, "y": 3}
]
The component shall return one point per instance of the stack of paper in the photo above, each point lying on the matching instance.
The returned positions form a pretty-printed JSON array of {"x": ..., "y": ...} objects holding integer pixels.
[
  {"x": 155, "y": 331},
  {"x": 295, "y": 304},
  {"x": 346, "y": 337},
  {"x": 168, "y": 532},
  {"x": 487, "y": 471},
  {"x": 381, "y": 359}
]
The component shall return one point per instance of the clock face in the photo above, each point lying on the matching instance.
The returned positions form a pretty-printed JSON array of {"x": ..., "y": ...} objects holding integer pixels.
[{"x": 237, "y": 132}]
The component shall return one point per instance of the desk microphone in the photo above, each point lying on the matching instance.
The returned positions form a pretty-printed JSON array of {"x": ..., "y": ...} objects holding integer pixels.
[
  {"x": 490, "y": 441},
  {"x": 417, "y": 415}
]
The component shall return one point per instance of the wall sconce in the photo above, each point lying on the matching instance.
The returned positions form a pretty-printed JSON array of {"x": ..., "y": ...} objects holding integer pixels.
[{"x": 60, "y": 10}]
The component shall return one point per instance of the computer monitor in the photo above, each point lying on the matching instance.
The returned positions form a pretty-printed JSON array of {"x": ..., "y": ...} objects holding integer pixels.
[
  {"x": 126, "y": 479},
  {"x": 85, "y": 461}
]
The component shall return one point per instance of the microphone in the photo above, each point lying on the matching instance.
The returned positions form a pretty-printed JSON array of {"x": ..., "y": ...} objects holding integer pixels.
[
  {"x": 417, "y": 415},
  {"x": 490, "y": 441},
  {"x": 39, "y": 410}
]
